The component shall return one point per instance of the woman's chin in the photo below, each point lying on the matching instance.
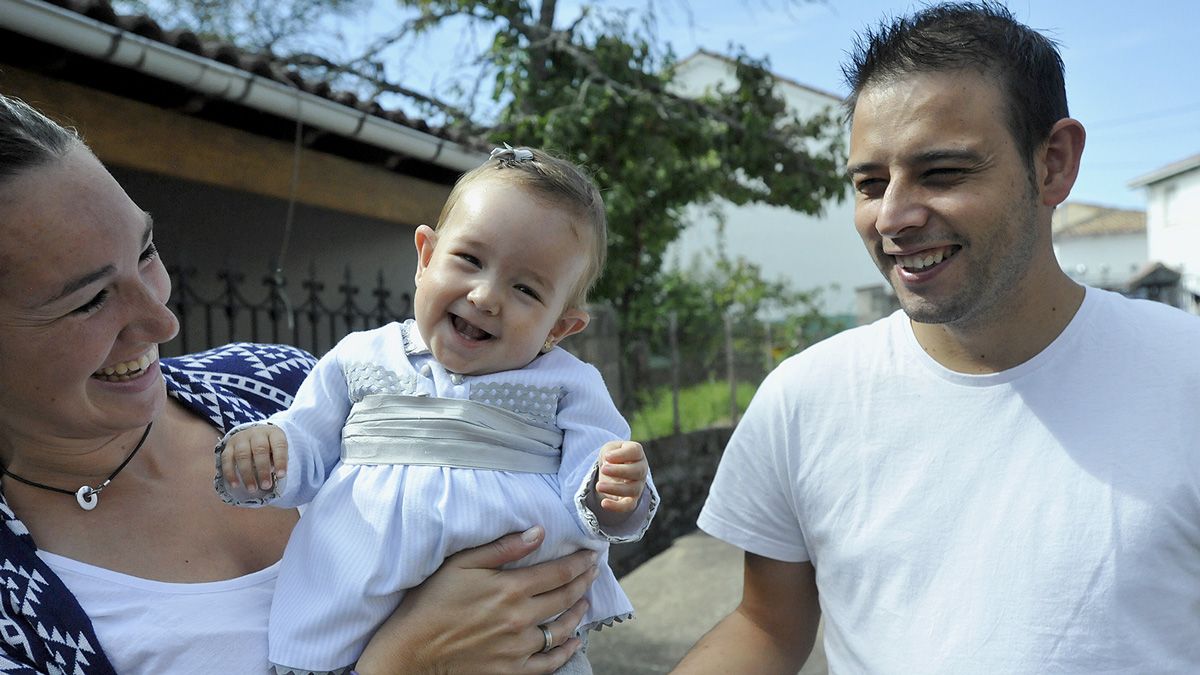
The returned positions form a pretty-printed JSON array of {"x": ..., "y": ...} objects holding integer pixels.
[{"x": 141, "y": 397}]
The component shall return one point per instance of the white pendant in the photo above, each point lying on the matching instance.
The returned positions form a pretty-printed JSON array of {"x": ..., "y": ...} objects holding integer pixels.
[{"x": 87, "y": 498}]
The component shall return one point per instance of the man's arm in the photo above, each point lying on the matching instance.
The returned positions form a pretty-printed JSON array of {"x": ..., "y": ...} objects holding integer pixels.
[{"x": 771, "y": 631}]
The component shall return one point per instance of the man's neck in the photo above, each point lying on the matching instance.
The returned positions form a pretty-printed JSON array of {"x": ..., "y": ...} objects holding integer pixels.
[{"x": 1010, "y": 336}]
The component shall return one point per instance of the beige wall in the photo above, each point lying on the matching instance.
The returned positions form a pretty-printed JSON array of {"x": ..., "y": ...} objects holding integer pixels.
[{"x": 140, "y": 136}]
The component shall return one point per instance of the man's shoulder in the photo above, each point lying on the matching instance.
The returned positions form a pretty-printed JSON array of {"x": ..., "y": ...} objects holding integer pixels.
[
  {"x": 841, "y": 363},
  {"x": 1145, "y": 317},
  {"x": 866, "y": 341}
]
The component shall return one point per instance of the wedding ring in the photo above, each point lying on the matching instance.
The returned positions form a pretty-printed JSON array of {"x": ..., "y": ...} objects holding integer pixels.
[{"x": 547, "y": 638}]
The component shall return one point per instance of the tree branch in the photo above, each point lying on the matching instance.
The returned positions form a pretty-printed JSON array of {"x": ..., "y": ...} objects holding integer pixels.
[{"x": 382, "y": 85}]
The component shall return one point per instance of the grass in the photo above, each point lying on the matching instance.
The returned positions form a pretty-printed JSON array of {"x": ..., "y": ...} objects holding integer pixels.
[{"x": 700, "y": 407}]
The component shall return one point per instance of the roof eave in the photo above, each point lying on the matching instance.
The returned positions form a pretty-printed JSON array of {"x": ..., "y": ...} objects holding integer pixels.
[
  {"x": 95, "y": 39},
  {"x": 1169, "y": 171}
]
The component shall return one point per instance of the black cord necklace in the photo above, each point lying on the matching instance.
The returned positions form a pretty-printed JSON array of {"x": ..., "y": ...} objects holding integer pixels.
[{"x": 86, "y": 495}]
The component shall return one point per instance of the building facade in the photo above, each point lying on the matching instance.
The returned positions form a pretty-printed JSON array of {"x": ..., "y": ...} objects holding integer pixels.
[
  {"x": 811, "y": 252},
  {"x": 1173, "y": 223},
  {"x": 1100, "y": 246}
]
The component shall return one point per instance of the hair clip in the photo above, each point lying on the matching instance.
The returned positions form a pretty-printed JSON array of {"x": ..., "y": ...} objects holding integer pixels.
[{"x": 509, "y": 156}]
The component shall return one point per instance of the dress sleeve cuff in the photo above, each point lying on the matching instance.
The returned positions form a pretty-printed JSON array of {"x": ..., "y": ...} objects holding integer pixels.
[{"x": 632, "y": 528}]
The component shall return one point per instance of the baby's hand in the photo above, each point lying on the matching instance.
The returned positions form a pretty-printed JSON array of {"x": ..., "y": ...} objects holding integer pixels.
[
  {"x": 258, "y": 455},
  {"x": 623, "y": 471}
]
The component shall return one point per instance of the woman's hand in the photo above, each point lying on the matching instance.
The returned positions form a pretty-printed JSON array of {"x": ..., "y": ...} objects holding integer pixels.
[{"x": 470, "y": 617}]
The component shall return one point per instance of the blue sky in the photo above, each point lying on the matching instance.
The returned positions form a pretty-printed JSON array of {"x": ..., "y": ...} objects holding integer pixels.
[
  {"x": 1131, "y": 68},
  {"x": 1131, "y": 65}
]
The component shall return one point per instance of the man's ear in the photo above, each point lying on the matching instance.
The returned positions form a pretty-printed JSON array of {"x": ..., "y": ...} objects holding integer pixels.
[
  {"x": 1059, "y": 161},
  {"x": 572, "y": 321},
  {"x": 425, "y": 240}
]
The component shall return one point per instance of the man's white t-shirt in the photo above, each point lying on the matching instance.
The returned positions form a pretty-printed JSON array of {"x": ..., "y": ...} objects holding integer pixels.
[{"x": 1045, "y": 519}]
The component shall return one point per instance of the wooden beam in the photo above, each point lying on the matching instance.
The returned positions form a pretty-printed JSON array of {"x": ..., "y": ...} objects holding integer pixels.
[{"x": 143, "y": 137}]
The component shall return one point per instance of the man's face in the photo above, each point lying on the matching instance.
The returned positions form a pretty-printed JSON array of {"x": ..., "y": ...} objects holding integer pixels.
[{"x": 944, "y": 200}]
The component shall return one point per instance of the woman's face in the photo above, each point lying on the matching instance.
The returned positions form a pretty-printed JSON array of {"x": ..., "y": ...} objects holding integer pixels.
[{"x": 82, "y": 305}]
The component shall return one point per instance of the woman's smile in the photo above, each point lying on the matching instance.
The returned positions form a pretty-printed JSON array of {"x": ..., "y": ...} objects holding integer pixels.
[{"x": 127, "y": 370}]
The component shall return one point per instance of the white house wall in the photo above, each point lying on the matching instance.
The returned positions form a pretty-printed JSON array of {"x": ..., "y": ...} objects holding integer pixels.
[
  {"x": 811, "y": 252},
  {"x": 1173, "y": 225},
  {"x": 1104, "y": 261}
]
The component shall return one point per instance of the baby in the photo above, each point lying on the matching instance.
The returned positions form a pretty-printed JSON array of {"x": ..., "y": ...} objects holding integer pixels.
[{"x": 417, "y": 440}]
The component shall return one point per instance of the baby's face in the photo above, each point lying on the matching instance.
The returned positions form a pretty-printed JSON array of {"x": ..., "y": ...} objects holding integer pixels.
[{"x": 493, "y": 282}]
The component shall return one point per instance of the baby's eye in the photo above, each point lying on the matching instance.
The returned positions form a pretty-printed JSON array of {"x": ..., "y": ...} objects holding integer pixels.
[
  {"x": 470, "y": 259},
  {"x": 93, "y": 304},
  {"x": 528, "y": 291}
]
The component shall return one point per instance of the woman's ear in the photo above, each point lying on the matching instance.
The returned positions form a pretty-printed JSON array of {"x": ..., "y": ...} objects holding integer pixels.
[
  {"x": 1059, "y": 159},
  {"x": 425, "y": 239},
  {"x": 572, "y": 321}
]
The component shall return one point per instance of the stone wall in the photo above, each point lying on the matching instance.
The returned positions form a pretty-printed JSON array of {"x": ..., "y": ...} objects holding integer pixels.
[{"x": 683, "y": 467}]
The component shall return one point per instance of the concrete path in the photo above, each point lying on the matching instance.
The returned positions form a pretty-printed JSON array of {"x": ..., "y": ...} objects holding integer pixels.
[{"x": 677, "y": 596}]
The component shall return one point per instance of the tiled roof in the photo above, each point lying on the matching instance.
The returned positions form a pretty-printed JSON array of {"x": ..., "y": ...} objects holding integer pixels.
[
  {"x": 30, "y": 53},
  {"x": 1077, "y": 219},
  {"x": 231, "y": 55}
]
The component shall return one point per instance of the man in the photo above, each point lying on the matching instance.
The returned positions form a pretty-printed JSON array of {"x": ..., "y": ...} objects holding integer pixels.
[{"x": 1005, "y": 476}]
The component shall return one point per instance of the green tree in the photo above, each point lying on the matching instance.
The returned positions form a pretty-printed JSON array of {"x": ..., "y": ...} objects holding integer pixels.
[
  {"x": 768, "y": 320},
  {"x": 703, "y": 294},
  {"x": 596, "y": 89}
]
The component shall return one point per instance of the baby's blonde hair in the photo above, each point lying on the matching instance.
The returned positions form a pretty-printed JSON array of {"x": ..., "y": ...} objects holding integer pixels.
[{"x": 558, "y": 181}]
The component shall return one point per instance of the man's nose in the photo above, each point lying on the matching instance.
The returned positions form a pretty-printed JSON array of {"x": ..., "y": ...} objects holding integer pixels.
[{"x": 900, "y": 208}]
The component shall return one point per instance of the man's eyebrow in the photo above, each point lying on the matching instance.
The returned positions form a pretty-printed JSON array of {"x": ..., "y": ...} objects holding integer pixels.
[
  {"x": 84, "y": 280},
  {"x": 862, "y": 167},
  {"x": 921, "y": 158},
  {"x": 953, "y": 154}
]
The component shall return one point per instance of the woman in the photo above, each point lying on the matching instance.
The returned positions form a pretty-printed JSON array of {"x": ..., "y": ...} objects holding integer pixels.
[{"x": 107, "y": 472}]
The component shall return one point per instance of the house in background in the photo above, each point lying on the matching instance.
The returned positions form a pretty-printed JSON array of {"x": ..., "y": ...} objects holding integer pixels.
[
  {"x": 1173, "y": 224},
  {"x": 237, "y": 160},
  {"x": 811, "y": 252},
  {"x": 1099, "y": 246}
]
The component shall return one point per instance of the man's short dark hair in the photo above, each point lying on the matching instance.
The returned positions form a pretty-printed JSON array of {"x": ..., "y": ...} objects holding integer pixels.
[{"x": 982, "y": 36}]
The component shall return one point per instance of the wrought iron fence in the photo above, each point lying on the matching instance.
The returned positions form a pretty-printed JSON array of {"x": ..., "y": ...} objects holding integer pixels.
[
  {"x": 219, "y": 312},
  {"x": 687, "y": 374}
]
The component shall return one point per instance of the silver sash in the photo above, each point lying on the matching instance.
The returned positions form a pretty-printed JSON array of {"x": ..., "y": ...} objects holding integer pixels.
[{"x": 398, "y": 429}]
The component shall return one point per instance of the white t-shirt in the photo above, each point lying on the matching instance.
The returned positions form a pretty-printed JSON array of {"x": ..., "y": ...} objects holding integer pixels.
[
  {"x": 1045, "y": 519},
  {"x": 156, "y": 627}
]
